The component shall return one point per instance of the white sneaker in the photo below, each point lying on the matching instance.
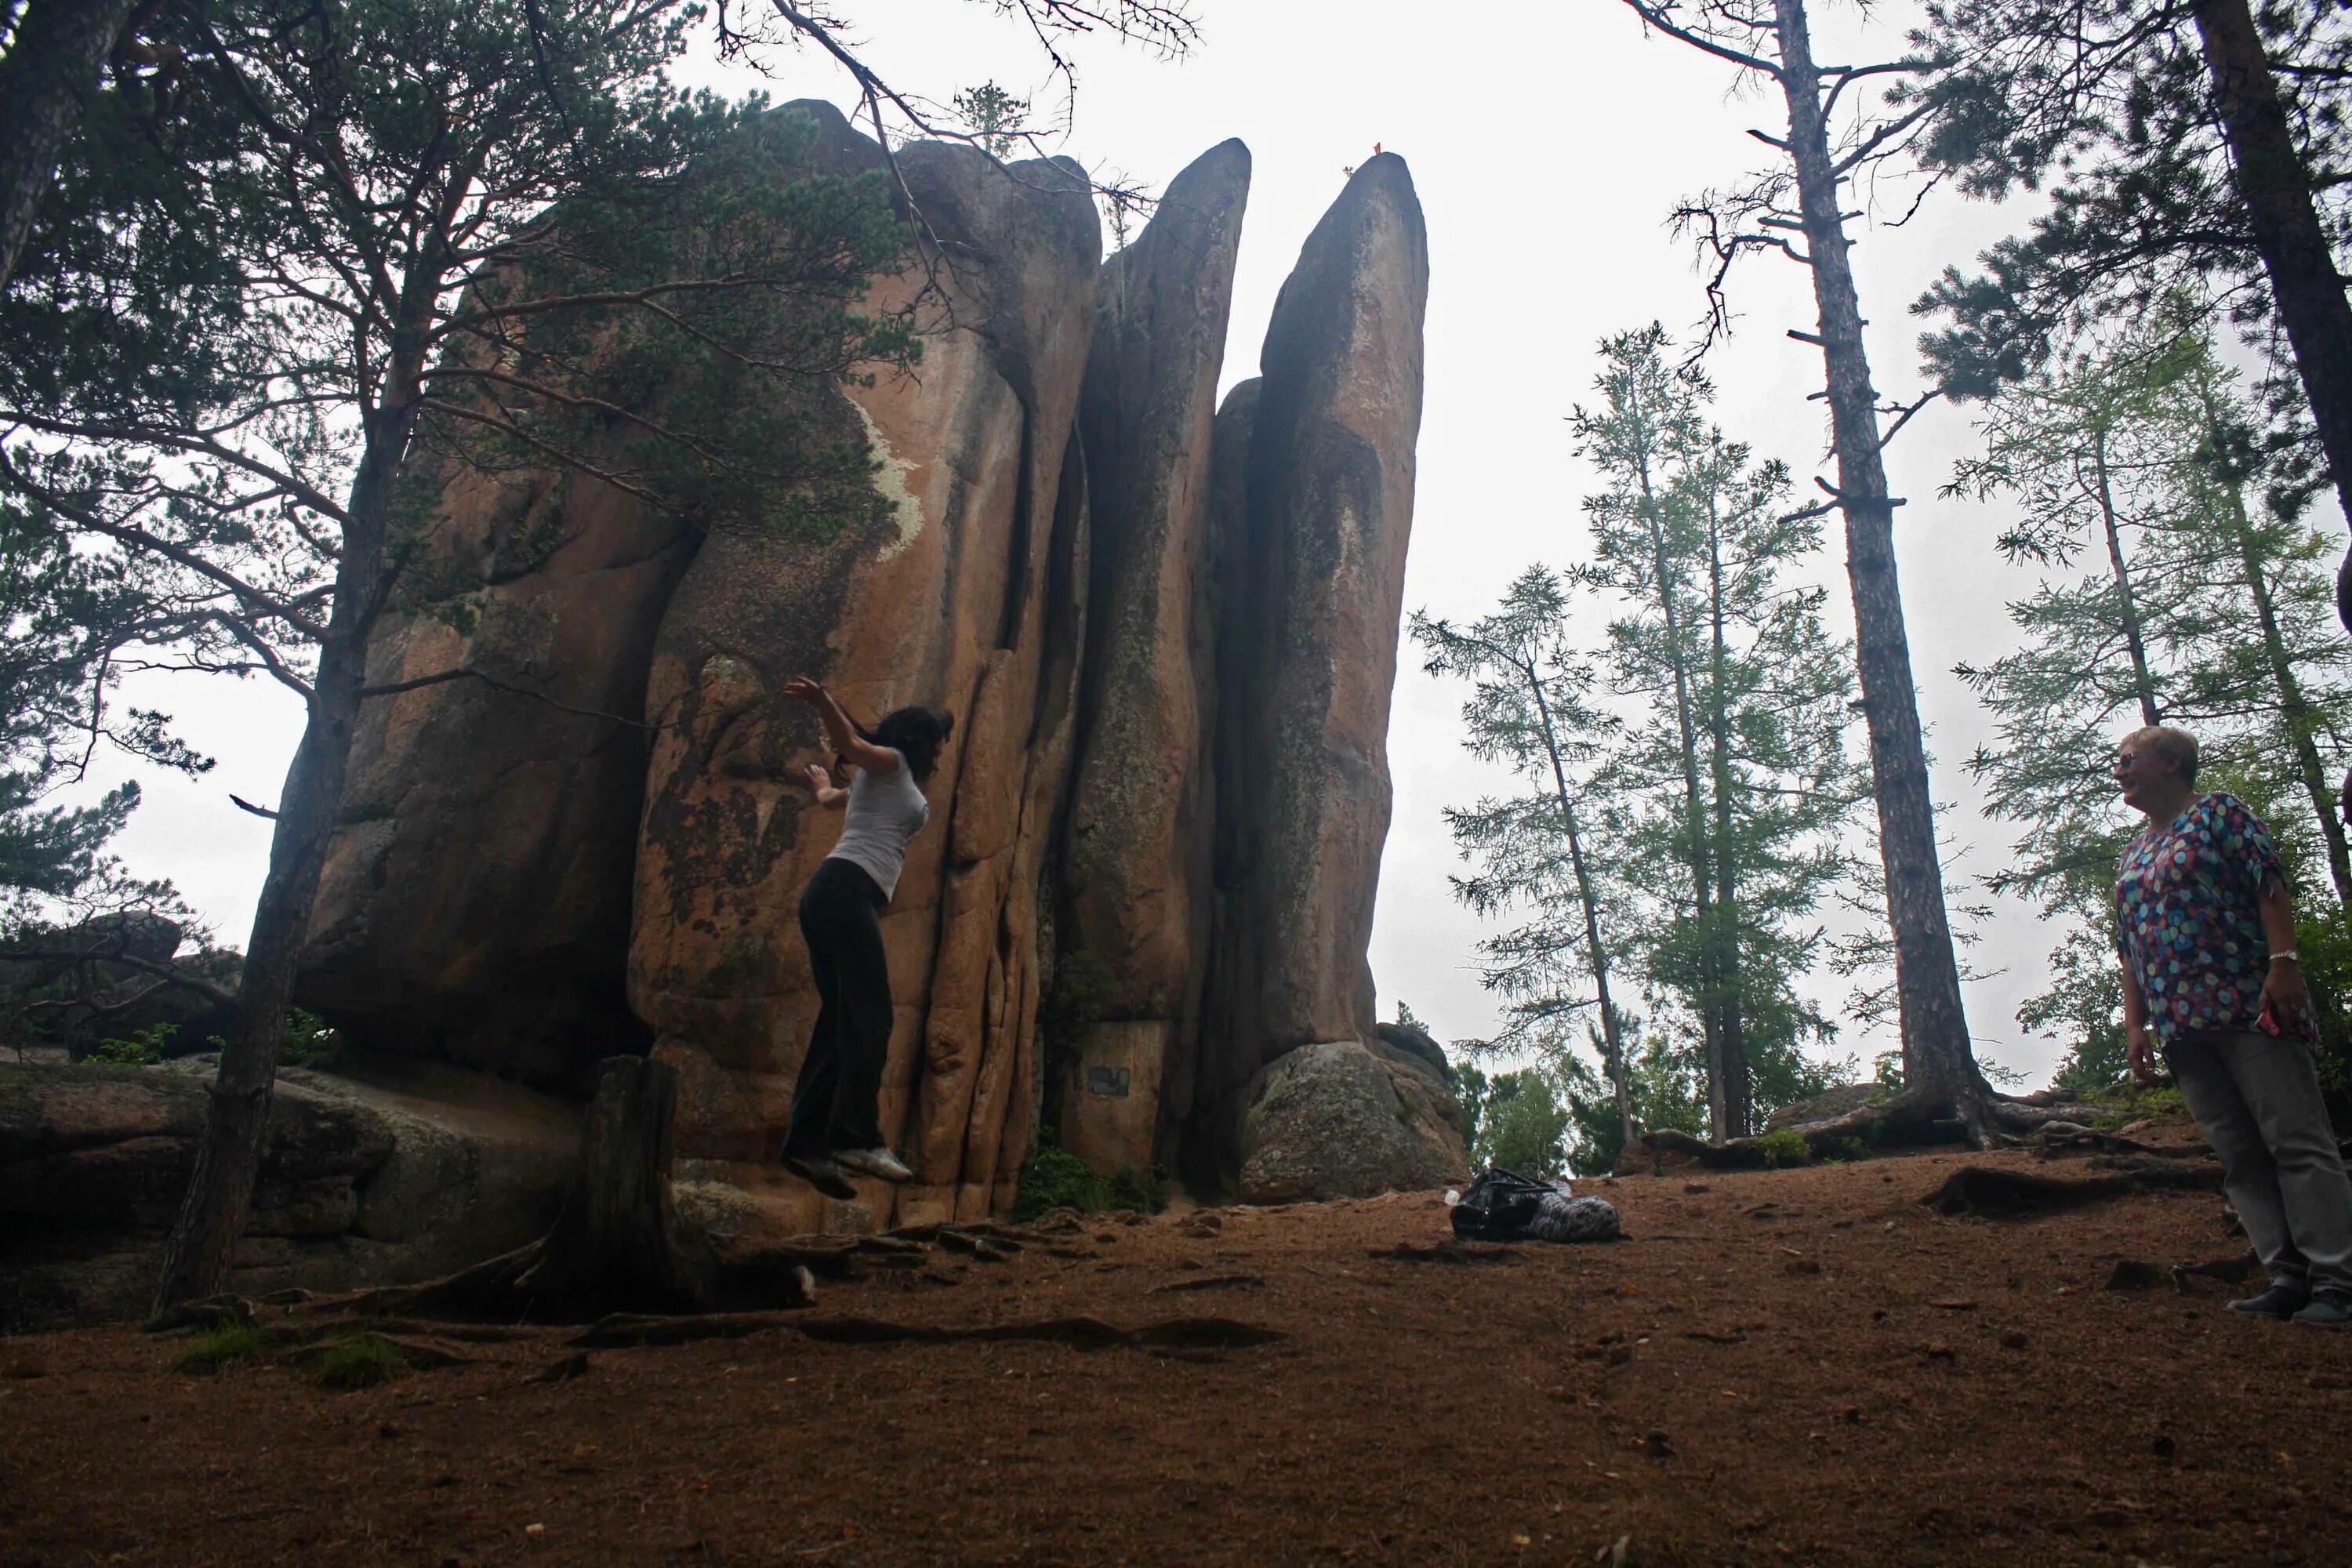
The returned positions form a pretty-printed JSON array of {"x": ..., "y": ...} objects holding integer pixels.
[{"x": 874, "y": 1163}]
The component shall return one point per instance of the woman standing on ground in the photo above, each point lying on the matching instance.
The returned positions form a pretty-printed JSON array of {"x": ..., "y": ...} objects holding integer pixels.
[
  {"x": 836, "y": 1124},
  {"x": 2206, "y": 932}
]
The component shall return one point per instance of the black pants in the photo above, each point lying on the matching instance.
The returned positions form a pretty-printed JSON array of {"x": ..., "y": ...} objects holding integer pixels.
[{"x": 836, "y": 1102}]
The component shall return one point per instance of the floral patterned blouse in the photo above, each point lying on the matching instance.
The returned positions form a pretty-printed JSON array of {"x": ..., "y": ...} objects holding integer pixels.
[{"x": 2186, "y": 925}]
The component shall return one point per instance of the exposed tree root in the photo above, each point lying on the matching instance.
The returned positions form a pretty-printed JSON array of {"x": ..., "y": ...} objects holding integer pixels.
[
  {"x": 2235, "y": 1270},
  {"x": 2005, "y": 1194},
  {"x": 1211, "y": 1282},
  {"x": 1914, "y": 1118},
  {"x": 627, "y": 1330}
]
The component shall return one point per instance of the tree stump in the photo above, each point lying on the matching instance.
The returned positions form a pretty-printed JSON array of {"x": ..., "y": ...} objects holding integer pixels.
[{"x": 619, "y": 1244}]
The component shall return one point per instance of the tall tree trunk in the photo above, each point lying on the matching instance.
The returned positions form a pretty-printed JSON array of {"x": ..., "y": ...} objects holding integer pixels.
[
  {"x": 2276, "y": 188},
  {"x": 1937, "y": 1056},
  {"x": 220, "y": 1190},
  {"x": 51, "y": 67},
  {"x": 1719, "y": 1108},
  {"x": 2143, "y": 683},
  {"x": 2301, "y": 720},
  {"x": 1611, "y": 1042},
  {"x": 1738, "y": 1080}
]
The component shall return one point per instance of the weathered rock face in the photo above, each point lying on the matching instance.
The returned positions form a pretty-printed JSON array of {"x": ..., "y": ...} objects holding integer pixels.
[
  {"x": 1331, "y": 1120},
  {"x": 1320, "y": 573},
  {"x": 963, "y": 594},
  {"x": 475, "y": 903},
  {"x": 1167, "y": 635},
  {"x": 1135, "y": 853},
  {"x": 476, "y": 900},
  {"x": 1330, "y": 511},
  {"x": 358, "y": 1182}
]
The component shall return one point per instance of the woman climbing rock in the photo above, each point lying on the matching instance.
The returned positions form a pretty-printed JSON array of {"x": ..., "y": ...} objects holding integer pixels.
[{"x": 835, "y": 1126}]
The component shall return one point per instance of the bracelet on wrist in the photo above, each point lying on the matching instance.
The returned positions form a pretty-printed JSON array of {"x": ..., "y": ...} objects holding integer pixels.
[{"x": 2289, "y": 956}]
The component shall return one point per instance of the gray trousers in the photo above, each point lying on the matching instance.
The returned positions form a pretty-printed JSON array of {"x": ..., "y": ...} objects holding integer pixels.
[{"x": 2256, "y": 1100}]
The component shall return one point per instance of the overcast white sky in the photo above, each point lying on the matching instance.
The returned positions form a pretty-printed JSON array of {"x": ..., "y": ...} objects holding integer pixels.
[{"x": 1549, "y": 141}]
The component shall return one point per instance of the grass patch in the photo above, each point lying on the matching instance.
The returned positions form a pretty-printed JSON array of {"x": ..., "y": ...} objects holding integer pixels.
[
  {"x": 1784, "y": 1148},
  {"x": 2136, "y": 1103},
  {"x": 218, "y": 1349},
  {"x": 362, "y": 1361}
]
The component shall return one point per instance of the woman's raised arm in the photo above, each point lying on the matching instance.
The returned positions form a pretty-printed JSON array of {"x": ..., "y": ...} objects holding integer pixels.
[{"x": 846, "y": 742}]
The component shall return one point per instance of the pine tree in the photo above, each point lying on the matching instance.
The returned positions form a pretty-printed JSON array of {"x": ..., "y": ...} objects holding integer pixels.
[
  {"x": 1738, "y": 775},
  {"x": 1530, "y": 712},
  {"x": 2202, "y": 610},
  {"x": 1797, "y": 208},
  {"x": 2187, "y": 143}
]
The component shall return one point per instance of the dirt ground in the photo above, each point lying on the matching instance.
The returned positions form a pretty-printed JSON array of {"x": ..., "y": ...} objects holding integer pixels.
[{"x": 1790, "y": 1367}]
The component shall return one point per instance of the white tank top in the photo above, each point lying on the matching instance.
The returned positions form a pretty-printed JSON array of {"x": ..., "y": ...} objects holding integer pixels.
[{"x": 885, "y": 812}]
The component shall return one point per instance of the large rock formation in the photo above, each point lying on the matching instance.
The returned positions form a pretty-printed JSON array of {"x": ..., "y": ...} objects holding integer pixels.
[
  {"x": 1168, "y": 633},
  {"x": 1316, "y": 578},
  {"x": 963, "y": 595},
  {"x": 1135, "y": 856}
]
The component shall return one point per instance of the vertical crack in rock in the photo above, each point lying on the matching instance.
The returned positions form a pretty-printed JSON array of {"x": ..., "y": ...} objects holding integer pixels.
[{"x": 1134, "y": 864}]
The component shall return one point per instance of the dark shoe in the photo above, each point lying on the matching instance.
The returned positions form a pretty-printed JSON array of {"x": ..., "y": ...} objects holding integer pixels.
[
  {"x": 2278, "y": 1301},
  {"x": 2328, "y": 1309},
  {"x": 825, "y": 1175}
]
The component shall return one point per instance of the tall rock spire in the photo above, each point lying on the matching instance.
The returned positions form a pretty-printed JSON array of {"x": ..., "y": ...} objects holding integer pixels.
[
  {"x": 1135, "y": 855},
  {"x": 1305, "y": 698}
]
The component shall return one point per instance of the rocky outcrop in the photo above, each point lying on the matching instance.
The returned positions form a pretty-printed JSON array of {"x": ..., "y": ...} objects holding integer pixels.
[
  {"x": 359, "y": 1182},
  {"x": 1330, "y": 513},
  {"x": 963, "y": 593},
  {"x": 1166, "y": 632},
  {"x": 1332, "y": 1119},
  {"x": 1135, "y": 853},
  {"x": 475, "y": 902},
  {"x": 1319, "y": 584}
]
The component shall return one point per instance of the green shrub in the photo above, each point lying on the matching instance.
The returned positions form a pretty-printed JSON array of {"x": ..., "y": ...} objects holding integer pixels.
[
  {"x": 1136, "y": 1187},
  {"x": 1846, "y": 1148},
  {"x": 218, "y": 1349},
  {"x": 308, "y": 1039},
  {"x": 144, "y": 1048},
  {"x": 1786, "y": 1147},
  {"x": 362, "y": 1361},
  {"x": 1053, "y": 1178}
]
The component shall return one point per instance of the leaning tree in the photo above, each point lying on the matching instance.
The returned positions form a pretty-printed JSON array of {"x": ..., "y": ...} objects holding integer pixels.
[{"x": 1529, "y": 710}]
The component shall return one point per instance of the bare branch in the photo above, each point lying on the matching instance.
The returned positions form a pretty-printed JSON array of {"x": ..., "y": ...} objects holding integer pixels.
[{"x": 1654, "y": 15}]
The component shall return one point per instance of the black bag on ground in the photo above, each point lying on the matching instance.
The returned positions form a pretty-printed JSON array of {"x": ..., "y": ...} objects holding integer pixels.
[{"x": 1500, "y": 1205}]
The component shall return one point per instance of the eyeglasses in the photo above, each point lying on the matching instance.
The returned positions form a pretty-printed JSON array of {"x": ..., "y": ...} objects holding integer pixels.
[{"x": 2123, "y": 764}]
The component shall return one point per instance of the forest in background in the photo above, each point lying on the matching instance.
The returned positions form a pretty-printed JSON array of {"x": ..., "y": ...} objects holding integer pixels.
[
  {"x": 235, "y": 240},
  {"x": 2155, "y": 369}
]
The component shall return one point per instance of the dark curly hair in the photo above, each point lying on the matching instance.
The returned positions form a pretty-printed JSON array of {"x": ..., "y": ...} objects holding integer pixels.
[{"x": 915, "y": 734}]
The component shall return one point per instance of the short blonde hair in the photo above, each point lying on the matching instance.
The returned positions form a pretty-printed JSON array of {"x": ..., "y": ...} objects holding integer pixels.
[{"x": 2177, "y": 747}]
